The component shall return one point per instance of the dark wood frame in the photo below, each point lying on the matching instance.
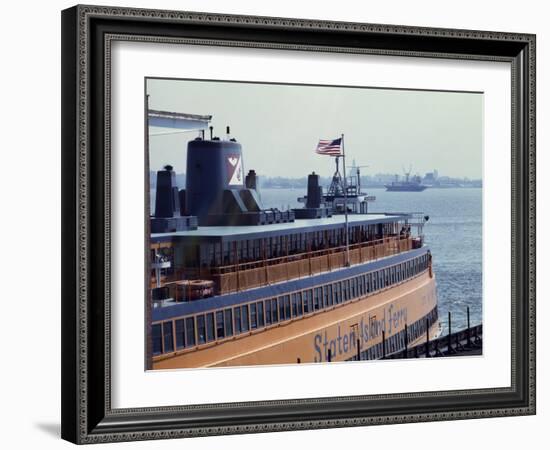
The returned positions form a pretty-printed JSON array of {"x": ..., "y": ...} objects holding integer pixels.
[{"x": 87, "y": 32}]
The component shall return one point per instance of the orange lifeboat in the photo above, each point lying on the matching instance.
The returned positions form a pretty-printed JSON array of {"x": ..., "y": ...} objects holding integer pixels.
[{"x": 189, "y": 290}]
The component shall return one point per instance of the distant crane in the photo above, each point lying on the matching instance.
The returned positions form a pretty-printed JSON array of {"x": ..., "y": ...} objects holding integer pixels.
[{"x": 407, "y": 174}]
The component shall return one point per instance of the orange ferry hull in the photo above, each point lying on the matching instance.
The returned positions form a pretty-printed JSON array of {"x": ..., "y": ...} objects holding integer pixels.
[{"x": 337, "y": 334}]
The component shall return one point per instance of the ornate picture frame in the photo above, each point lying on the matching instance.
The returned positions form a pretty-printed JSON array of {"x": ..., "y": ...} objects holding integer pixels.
[{"x": 88, "y": 33}]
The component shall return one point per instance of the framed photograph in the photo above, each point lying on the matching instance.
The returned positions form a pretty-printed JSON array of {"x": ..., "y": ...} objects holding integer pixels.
[{"x": 282, "y": 224}]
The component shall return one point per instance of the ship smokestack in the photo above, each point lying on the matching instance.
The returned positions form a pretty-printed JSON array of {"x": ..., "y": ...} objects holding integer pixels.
[
  {"x": 251, "y": 180},
  {"x": 216, "y": 191},
  {"x": 167, "y": 202},
  {"x": 213, "y": 167},
  {"x": 314, "y": 191}
]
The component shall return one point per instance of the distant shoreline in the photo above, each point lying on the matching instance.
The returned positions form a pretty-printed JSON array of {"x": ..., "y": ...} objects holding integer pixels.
[
  {"x": 301, "y": 183},
  {"x": 373, "y": 186}
]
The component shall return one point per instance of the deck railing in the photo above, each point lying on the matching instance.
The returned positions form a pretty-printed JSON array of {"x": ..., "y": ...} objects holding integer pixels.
[{"x": 248, "y": 275}]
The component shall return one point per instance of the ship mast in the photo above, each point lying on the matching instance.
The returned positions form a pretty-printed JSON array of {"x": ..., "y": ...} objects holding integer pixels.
[
  {"x": 345, "y": 200},
  {"x": 336, "y": 186},
  {"x": 339, "y": 187}
]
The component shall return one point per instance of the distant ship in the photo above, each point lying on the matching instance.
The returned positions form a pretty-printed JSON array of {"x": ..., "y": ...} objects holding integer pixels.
[{"x": 411, "y": 184}]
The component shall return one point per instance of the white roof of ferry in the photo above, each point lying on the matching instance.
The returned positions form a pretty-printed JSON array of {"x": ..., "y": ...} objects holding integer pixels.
[{"x": 299, "y": 225}]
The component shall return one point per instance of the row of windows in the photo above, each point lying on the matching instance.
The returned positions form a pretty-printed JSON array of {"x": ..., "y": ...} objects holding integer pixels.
[
  {"x": 202, "y": 328},
  {"x": 396, "y": 342},
  {"x": 276, "y": 246}
]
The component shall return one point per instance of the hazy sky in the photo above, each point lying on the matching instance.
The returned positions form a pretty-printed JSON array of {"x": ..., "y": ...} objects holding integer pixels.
[{"x": 279, "y": 126}]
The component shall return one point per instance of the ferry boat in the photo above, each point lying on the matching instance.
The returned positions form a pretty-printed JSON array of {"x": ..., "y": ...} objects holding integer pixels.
[{"x": 235, "y": 284}]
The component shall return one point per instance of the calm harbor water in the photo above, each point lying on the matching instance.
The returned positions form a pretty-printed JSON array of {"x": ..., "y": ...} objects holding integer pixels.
[{"x": 453, "y": 232}]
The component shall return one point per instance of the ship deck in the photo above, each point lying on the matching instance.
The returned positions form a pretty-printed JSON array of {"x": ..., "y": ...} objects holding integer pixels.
[
  {"x": 281, "y": 288},
  {"x": 279, "y": 229}
]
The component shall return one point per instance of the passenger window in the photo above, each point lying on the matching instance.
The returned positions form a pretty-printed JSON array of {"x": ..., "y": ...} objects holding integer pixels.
[
  {"x": 281, "y": 308},
  {"x": 238, "y": 326},
  {"x": 317, "y": 299},
  {"x": 210, "y": 327},
  {"x": 180, "y": 334},
  {"x": 228, "y": 323},
  {"x": 157, "y": 339},
  {"x": 274, "y": 317},
  {"x": 253, "y": 322},
  {"x": 190, "y": 331},
  {"x": 201, "y": 329},
  {"x": 268, "y": 312},
  {"x": 244, "y": 312},
  {"x": 260, "y": 308},
  {"x": 220, "y": 329},
  {"x": 309, "y": 299},
  {"x": 168, "y": 338},
  {"x": 287, "y": 306}
]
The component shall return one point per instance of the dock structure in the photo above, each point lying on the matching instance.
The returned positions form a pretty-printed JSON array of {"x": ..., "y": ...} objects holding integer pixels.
[
  {"x": 467, "y": 342},
  {"x": 159, "y": 121}
]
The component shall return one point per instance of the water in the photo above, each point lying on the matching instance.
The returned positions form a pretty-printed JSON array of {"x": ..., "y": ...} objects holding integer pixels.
[{"x": 453, "y": 232}]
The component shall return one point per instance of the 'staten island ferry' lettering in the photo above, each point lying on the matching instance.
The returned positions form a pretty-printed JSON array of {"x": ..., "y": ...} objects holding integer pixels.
[{"x": 233, "y": 283}]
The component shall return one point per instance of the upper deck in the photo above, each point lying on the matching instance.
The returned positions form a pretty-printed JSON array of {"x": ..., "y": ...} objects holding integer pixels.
[
  {"x": 299, "y": 226},
  {"x": 216, "y": 260}
]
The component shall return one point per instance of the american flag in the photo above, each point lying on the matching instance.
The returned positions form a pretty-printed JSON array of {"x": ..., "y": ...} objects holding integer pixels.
[{"x": 329, "y": 147}]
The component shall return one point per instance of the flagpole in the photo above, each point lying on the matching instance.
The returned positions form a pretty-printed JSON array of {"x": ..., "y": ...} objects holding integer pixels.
[{"x": 345, "y": 201}]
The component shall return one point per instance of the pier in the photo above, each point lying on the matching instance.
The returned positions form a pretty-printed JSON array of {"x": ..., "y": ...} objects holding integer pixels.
[{"x": 467, "y": 342}]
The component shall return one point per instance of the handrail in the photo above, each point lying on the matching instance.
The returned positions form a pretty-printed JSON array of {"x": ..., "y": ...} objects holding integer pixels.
[
  {"x": 376, "y": 249},
  {"x": 230, "y": 268}
]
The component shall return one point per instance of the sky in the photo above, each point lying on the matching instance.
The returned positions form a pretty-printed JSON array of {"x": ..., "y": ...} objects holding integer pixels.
[{"x": 279, "y": 126}]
